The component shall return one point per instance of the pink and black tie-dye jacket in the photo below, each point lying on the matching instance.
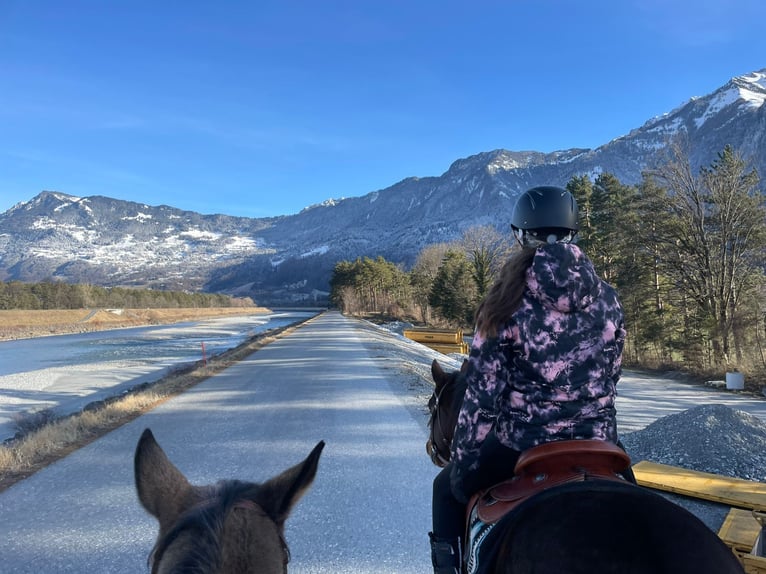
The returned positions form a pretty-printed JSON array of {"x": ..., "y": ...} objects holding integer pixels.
[{"x": 550, "y": 373}]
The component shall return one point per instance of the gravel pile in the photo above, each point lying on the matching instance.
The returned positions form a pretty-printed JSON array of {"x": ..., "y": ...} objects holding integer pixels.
[{"x": 709, "y": 438}]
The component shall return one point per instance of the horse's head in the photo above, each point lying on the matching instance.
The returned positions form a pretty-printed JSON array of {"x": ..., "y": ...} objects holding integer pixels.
[
  {"x": 229, "y": 527},
  {"x": 444, "y": 406}
]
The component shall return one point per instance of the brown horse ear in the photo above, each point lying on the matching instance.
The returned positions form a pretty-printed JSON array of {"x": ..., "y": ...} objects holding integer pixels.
[
  {"x": 278, "y": 495},
  {"x": 162, "y": 488},
  {"x": 437, "y": 373}
]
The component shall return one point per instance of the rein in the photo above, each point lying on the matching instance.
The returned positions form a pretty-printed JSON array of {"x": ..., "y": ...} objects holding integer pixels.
[{"x": 438, "y": 451}]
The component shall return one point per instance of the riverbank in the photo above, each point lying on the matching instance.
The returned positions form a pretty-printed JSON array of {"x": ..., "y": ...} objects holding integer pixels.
[
  {"x": 44, "y": 437},
  {"x": 25, "y": 324}
]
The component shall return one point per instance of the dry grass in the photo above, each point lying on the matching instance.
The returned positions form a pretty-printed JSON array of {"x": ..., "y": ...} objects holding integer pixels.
[
  {"x": 35, "y": 323},
  {"x": 54, "y": 440}
]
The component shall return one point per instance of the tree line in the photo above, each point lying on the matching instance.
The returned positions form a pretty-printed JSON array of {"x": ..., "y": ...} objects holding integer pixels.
[
  {"x": 59, "y": 295},
  {"x": 685, "y": 248}
]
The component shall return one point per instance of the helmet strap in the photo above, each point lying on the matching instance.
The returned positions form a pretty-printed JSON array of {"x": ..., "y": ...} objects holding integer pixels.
[{"x": 526, "y": 238}]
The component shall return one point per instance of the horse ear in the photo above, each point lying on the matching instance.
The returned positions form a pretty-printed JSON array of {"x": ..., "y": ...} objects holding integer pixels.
[
  {"x": 162, "y": 488},
  {"x": 437, "y": 373},
  {"x": 464, "y": 366},
  {"x": 278, "y": 495}
]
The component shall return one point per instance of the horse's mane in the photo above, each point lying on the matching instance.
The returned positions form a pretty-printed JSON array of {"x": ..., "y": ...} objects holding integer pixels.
[
  {"x": 206, "y": 521},
  {"x": 458, "y": 384}
]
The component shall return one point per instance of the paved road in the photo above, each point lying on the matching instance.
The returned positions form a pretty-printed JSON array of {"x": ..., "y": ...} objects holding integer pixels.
[{"x": 369, "y": 509}]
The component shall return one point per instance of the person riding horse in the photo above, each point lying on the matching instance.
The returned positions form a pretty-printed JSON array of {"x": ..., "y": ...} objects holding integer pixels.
[{"x": 544, "y": 362}]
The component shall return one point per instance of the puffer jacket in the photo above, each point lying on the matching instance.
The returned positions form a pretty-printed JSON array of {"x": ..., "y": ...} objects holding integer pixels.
[{"x": 550, "y": 373}]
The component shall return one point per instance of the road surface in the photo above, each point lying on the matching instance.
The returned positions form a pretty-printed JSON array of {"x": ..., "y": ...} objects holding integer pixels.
[{"x": 369, "y": 508}]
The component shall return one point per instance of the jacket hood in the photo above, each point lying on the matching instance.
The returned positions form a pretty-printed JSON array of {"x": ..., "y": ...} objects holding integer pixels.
[{"x": 562, "y": 277}]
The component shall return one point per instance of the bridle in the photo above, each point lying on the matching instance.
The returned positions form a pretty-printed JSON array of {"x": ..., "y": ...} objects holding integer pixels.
[{"x": 438, "y": 448}]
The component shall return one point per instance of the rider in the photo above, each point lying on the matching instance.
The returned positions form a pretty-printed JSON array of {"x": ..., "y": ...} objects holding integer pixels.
[{"x": 545, "y": 359}]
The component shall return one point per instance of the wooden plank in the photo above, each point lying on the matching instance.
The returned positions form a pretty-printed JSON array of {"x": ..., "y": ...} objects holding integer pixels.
[
  {"x": 740, "y": 530},
  {"x": 726, "y": 490},
  {"x": 753, "y": 564}
]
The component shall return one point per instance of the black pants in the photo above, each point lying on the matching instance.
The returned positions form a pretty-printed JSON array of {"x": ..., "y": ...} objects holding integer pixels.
[{"x": 496, "y": 463}]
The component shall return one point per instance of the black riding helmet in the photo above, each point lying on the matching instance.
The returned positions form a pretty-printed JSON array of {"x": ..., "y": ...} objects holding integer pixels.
[{"x": 545, "y": 214}]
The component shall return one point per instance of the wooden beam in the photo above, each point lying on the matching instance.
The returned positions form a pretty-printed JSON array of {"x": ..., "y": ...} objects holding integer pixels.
[
  {"x": 735, "y": 492},
  {"x": 740, "y": 530}
]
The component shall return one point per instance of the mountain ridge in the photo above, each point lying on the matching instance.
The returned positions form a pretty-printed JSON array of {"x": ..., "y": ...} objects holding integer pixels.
[{"x": 289, "y": 258}]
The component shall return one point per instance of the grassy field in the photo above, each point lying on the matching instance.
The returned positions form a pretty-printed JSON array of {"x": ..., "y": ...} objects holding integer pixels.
[{"x": 34, "y": 323}]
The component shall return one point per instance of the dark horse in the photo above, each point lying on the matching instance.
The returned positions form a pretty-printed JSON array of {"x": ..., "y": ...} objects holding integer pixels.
[
  {"x": 594, "y": 526},
  {"x": 228, "y": 528}
]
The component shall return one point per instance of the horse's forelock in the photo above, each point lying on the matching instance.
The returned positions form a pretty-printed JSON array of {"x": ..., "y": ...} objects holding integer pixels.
[{"x": 206, "y": 521}]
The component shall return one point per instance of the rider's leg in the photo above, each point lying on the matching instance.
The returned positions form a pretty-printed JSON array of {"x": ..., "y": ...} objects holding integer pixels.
[{"x": 448, "y": 526}]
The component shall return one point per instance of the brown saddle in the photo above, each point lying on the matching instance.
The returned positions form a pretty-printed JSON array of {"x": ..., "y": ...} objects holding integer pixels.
[{"x": 547, "y": 465}]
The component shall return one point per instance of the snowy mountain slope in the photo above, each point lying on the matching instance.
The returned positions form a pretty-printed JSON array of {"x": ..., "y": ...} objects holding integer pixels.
[{"x": 110, "y": 242}]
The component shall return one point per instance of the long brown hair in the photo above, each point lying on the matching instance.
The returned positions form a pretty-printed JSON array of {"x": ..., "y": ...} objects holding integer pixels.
[{"x": 505, "y": 295}]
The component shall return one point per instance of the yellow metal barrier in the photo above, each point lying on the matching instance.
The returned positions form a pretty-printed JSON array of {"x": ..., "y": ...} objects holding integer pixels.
[
  {"x": 426, "y": 335},
  {"x": 442, "y": 340}
]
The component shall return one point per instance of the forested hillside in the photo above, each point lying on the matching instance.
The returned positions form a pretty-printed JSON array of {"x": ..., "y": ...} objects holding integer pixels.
[{"x": 685, "y": 249}]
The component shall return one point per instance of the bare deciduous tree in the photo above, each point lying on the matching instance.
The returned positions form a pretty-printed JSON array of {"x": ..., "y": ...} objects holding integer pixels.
[
  {"x": 486, "y": 249},
  {"x": 714, "y": 240},
  {"x": 423, "y": 275}
]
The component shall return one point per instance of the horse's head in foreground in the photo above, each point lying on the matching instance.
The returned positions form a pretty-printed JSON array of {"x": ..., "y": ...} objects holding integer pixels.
[{"x": 229, "y": 527}]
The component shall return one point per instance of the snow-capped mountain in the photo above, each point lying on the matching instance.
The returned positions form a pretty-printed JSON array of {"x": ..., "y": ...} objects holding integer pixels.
[
  {"x": 286, "y": 259},
  {"x": 112, "y": 242}
]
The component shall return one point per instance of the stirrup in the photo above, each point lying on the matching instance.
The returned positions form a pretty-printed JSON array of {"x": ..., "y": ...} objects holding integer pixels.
[{"x": 446, "y": 555}]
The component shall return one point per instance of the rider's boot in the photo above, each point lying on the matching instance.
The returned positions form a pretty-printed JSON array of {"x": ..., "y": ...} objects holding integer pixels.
[{"x": 445, "y": 555}]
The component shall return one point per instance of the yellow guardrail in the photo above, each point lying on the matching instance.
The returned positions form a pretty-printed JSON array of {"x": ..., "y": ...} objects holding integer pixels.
[{"x": 442, "y": 340}]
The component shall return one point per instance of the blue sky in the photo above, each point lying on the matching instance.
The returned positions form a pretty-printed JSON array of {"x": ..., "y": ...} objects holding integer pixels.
[{"x": 264, "y": 107}]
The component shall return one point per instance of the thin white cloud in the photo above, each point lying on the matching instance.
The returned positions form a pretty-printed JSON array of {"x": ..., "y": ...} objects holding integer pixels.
[
  {"x": 121, "y": 122},
  {"x": 701, "y": 23},
  {"x": 248, "y": 136},
  {"x": 63, "y": 165}
]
